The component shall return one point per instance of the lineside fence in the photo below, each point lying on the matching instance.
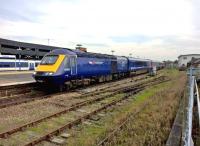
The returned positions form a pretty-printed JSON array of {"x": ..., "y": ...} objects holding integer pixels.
[{"x": 188, "y": 113}]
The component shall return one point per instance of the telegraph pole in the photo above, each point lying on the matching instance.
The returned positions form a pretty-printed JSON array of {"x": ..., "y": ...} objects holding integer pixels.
[
  {"x": 48, "y": 41},
  {"x": 112, "y": 51}
]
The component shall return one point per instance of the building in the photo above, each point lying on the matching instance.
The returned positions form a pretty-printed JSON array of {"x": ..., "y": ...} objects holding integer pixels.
[
  {"x": 24, "y": 50},
  {"x": 170, "y": 64},
  {"x": 183, "y": 60},
  {"x": 195, "y": 62}
]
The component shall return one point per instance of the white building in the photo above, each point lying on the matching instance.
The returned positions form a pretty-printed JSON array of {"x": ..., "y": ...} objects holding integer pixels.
[{"x": 184, "y": 59}]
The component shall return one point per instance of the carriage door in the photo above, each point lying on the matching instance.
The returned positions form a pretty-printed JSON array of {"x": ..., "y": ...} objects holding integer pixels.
[
  {"x": 73, "y": 65},
  {"x": 113, "y": 66},
  {"x": 31, "y": 67}
]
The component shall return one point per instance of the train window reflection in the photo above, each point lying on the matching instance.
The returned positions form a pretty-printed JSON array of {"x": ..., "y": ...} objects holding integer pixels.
[
  {"x": 66, "y": 63},
  {"x": 50, "y": 59}
]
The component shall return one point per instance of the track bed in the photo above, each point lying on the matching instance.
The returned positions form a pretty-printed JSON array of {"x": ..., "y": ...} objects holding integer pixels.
[{"x": 42, "y": 121}]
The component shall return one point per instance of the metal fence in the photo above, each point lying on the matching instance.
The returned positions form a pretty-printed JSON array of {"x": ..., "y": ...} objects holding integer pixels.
[
  {"x": 193, "y": 96},
  {"x": 181, "y": 133},
  {"x": 194, "y": 72}
]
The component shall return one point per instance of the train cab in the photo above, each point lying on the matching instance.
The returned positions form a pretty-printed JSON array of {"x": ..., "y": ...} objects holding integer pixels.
[{"x": 56, "y": 67}]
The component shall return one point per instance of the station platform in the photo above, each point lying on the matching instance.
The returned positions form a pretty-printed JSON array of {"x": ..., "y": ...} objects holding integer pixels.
[{"x": 15, "y": 77}]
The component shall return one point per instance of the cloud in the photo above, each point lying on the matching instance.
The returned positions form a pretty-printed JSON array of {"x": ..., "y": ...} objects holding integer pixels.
[
  {"x": 152, "y": 29},
  {"x": 20, "y": 10},
  {"x": 131, "y": 38},
  {"x": 196, "y": 17}
]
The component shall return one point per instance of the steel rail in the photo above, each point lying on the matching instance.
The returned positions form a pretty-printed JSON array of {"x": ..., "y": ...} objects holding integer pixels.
[
  {"x": 77, "y": 121},
  {"x": 117, "y": 129},
  {"x": 81, "y": 119},
  {"x": 73, "y": 107},
  {"x": 7, "y": 102}
]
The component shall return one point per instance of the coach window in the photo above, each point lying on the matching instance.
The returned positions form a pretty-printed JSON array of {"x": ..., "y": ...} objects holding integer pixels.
[
  {"x": 73, "y": 63},
  {"x": 66, "y": 64}
]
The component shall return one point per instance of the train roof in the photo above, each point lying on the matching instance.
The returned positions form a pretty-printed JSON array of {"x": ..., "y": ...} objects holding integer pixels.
[
  {"x": 156, "y": 61},
  {"x": 7, "y": 57},
  {"x": 96, "y": 55},
  {"x": 138, "y": 59},
  {"x": 80, "y": 53}
]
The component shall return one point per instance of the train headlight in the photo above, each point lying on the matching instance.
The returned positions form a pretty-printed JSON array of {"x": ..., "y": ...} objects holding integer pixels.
[{"x": 49, "y": 73}]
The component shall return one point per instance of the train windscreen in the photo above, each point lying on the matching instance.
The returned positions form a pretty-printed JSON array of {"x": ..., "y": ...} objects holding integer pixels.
[{"x": 50, "y": 59}]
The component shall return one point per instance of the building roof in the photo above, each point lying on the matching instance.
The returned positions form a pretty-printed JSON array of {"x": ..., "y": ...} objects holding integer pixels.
[
  {"x": 24, "y": 44},
  {"x": 189, "y": 55},
  {"x": 35, "y": 51}
]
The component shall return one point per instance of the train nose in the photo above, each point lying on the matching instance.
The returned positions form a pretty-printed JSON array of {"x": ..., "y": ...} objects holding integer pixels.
[{"x": 48, "y": 77}]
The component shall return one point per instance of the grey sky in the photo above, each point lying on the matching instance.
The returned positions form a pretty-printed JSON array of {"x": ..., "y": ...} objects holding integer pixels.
[{"x": 150, "y": 29}]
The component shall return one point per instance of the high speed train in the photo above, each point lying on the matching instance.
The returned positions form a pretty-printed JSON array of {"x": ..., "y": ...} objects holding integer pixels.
[
  {"x": 67, "y": 67},
  {"x": 9, "y": 62}
]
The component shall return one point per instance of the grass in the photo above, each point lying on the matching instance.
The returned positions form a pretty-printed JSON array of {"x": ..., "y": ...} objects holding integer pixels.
[
  {"x": 152, "y": 126},
  {"x": 91, "y": 134}
]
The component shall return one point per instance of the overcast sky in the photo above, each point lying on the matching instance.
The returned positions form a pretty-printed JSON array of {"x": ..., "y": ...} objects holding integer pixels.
[{"x": 155, "y": 29}]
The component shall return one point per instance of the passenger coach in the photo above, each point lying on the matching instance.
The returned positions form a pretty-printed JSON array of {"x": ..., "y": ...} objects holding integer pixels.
[{"x": 9, "y": 62}]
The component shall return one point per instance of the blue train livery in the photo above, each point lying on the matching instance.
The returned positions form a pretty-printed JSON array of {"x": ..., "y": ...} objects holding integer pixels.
[{"x": 67, "y": 67}]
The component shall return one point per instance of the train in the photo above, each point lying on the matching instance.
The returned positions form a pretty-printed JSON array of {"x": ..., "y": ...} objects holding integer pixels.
[
  {"x": 65, "y": 67},
  {"x": 10, "y": 62}
]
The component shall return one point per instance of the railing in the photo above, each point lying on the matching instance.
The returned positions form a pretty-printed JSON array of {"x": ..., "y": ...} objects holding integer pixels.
[
  {"x": 181, "y": 133},
  {"x": 198, "y": 102},
  {"x": 193, "y": 96},
  {"x": 187, "y": 129},
  {"x": 194, "y": 72}
]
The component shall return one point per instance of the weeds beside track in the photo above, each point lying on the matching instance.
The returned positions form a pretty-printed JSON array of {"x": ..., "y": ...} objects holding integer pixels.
[{"x": 126, "y": 90}]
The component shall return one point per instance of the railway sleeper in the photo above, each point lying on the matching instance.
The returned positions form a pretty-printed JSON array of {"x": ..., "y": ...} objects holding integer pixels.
[
  {"x": 80, "y": 120},
  {"x": 58, "y": 140},
  {"x": 77, "y": 121}
]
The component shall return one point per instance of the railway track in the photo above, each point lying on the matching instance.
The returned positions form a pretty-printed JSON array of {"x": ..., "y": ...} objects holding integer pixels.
[
  {"x": 104, "y": 100},
  {"x": 114, "y": 132},
  {"x": 28, "y": 93},
  {"x": 73, "y": 107},
  {"x": 21, "y": 89},
  {"x": 13, "y": 90}
]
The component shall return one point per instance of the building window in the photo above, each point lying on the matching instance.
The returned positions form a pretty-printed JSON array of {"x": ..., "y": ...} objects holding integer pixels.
[{"x": 184, "y": 58}]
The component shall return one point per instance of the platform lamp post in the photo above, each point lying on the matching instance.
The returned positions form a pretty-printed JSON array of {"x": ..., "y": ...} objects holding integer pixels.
[
  {"x": 19, "y": 49},
  {"x": 112, "y": 51}
]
